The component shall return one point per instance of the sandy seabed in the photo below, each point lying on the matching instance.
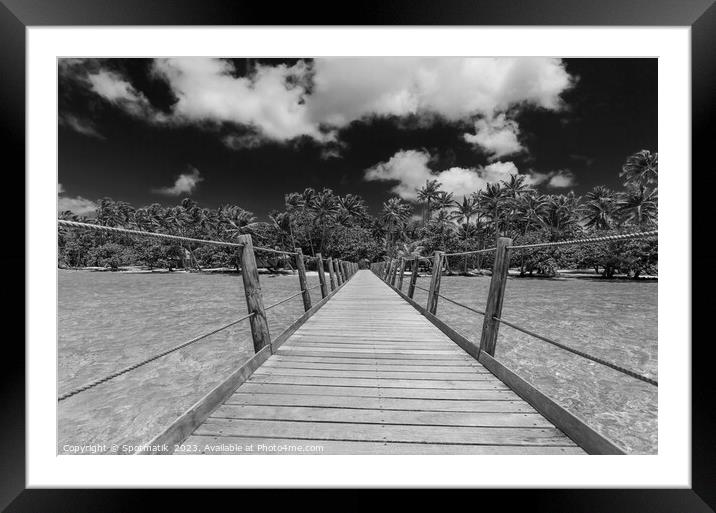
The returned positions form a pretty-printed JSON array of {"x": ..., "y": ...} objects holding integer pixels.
[{"x": 110, "y": 320}]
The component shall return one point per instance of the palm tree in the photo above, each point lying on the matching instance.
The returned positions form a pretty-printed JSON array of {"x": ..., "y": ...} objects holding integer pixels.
[
  {"x": 394, "y": 216},
  {"x": 466, "y": 209},
  {"x": 352, "y": 208},
  {"x": 426, "y": 194},
  {"x": 514, "y": 189},
  {"x": 491, "y": 199},
  {"x": 444, "y": 201},
  {"x": 638, "y": 206},
  {"x": 325, "y": 208},
  {"x": 641, "y": 169},
  {"x": 561, "y": 215},
  {"x": 600, "y": 208}
]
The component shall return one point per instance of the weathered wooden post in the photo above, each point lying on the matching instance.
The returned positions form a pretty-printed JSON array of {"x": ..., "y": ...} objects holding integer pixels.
[
  {"x": 302, "y": 280},
  {"x": 432, "y": 305},
  {"x": 321, "y": 275},
  {"x": 401, "y": 270},
  {"x": 331, "y": 272},
  {"x": 346, "y": 273},
  {"x": 338, "y": 273},
  {"x": 252, "y": 290},
  {"x": 491, "y": 327},
  {"x": 413, "y": 277},
  {"x": 394, "y": 275}
]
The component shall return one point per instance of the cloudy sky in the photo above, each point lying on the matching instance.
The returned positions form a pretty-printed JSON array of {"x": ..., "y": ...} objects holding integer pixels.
[{"x": 247, "y": 131}]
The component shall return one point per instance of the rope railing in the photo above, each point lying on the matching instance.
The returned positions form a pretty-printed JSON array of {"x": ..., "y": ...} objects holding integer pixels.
[
  {"x": 474, "y": 252},
  {"x": 127, "y": 231},
  {"x": 604, "y": 238},
  {"x": 340, "y": 269},
  {"x": 454, "y": 302},
  {"x": 498, "y": 282},
  {"x": 580, "y": 353},
  {"x": 118, "y": 373}
]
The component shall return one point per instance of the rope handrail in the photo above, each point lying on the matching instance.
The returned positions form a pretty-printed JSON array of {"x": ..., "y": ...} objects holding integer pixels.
[
  {"x": 290, "y": 297},
  {"x": 127, "y": 231},
  {"x": 99, "y": 381},
  {"x": 279, "y": 251},
  {"x": 577, "y": 352},
  {"x": 453, "y": 301},
  {"x": 470, "y": 252},
  {"x": 603, "y": 238}
]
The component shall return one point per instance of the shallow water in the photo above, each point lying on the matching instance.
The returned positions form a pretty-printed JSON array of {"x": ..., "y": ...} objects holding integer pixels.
[
  {"x": 613, "y": 320},
  {"x": 110, "y": 320},
  {"x": 107, "y": 321}
]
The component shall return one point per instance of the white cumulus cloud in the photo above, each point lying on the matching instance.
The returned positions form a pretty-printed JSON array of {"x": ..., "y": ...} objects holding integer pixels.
[
  {"x": 497, "y": 136},
  {"x": 409, "y": 169},
  {"x": 184, "y": 184},
  {"x": 77, "y": 205},
  {"x": 317, "y": 98}
]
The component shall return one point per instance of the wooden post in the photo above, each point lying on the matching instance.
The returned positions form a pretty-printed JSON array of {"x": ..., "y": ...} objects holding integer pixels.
[
  {"x": 491, "y": 327},
  {"x": 338, "y": 274},
  {"x": 432, "y": 305},
  {"x": 322, "y": 275},
  {"x": 413, "y": 277},
  {"x": 401, "y": 270},
  {"x": 332, "y": 273},
  {"x": 302, "y": 280},
  {"x": 389, "y": 271},
  {"x": 346, "y": 273},
  {"x": 394, "y": 274},
  {"x": 252, "y": 290}
]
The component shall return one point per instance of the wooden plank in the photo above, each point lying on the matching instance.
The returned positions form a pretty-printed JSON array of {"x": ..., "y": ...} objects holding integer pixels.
[
  {"x": 573, "y": 426},
  {"x": 381, "y": 383},
  {"x": 379, "y": 416},
  {"x": 288, "y": 350},
  {"x": 407, "y": 363},
  {"x": 374, "y": 365},
  {"x": 183, "y": 426},
  {"x": 384, "y": 433},
  {"x": 392, "y": 393},
  {"x": 281, "y": 446},
  {"x": 382, "y": 403},
  {"x": 254, "y": 297},
  {"x": 370, "y": 373}
]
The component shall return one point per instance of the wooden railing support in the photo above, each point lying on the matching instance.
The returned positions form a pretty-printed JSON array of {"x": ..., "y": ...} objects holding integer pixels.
[
  {"x": 491, "y": 327},
  {"x": 413, "y": 277},
  {"x": 394, "y": 274},
  {"x": 321, "y": 275},
  {"x": 401, "y": 270},
  {"x": 302, "y": 280},
  {"x": 331, "y": 273},
  {"x": 432, "y": 305},
  {"x": 252, "y": 290},
  {"x": 338, "y": 272}
]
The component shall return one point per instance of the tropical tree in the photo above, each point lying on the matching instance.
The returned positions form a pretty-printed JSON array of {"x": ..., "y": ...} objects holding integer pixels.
[
  {"x": 394, "y": 216},
  {"x": 325, "y": 208},
  {"x": 641, "y": 169},
  {"x": 427, "y": 194},
  {"x": 639, "y": 207},
  {"x": 600, "y": 208}
]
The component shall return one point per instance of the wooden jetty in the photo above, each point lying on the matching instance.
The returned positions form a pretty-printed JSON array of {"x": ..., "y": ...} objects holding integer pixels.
[{"x": 367, "y": 370}]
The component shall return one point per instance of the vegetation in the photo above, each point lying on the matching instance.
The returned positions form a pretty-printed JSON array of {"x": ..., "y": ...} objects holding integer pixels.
[{"x": 341, "y": 226}]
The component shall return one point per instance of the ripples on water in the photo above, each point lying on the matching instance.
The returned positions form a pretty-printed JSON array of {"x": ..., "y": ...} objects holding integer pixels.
[
  {"x": 110, "y": 320},
  {"x": 613, "y": 320},
  {"x": 107, "y": 321}
]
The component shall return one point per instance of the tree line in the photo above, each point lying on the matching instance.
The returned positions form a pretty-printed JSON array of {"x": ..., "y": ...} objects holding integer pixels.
[{"x": 342, "y": 227}]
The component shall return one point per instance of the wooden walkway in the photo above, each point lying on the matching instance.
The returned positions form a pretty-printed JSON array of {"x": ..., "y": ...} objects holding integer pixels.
[{"x": 368, "y": 374}]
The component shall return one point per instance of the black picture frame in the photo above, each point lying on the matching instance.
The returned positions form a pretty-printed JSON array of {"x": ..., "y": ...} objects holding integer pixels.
[{"x": 700, "y": 15}]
